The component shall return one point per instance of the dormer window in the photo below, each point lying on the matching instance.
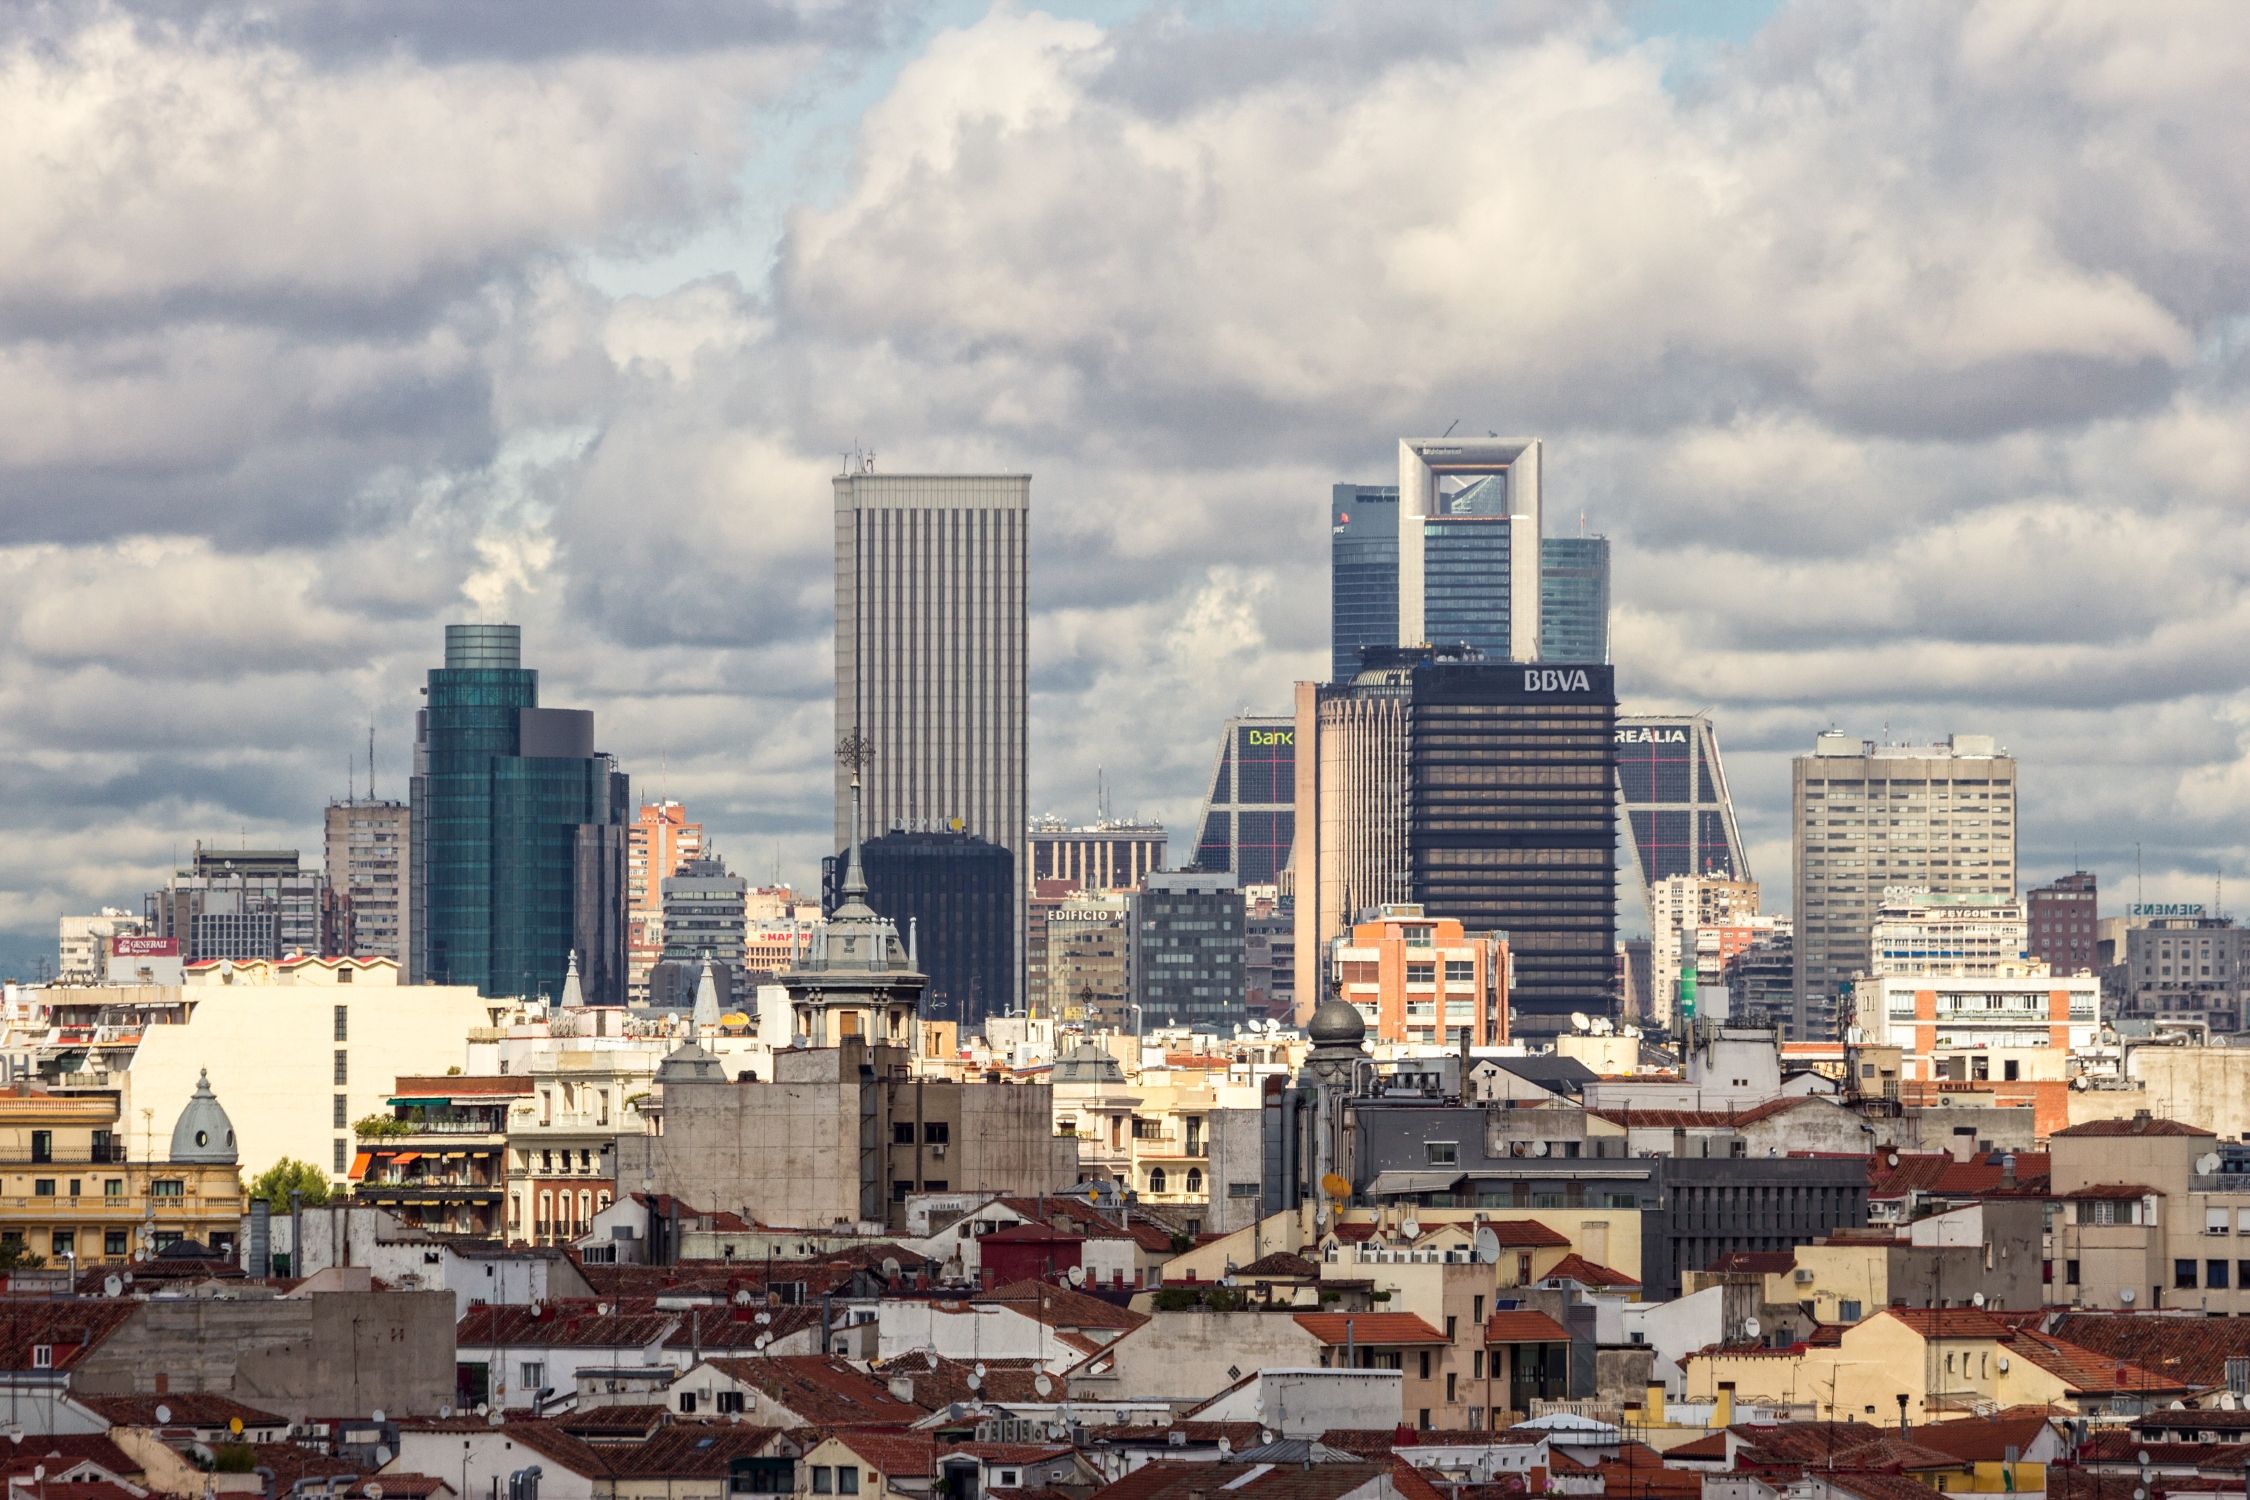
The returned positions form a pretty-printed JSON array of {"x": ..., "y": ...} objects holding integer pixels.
[{"x": 42, "y": 1356}]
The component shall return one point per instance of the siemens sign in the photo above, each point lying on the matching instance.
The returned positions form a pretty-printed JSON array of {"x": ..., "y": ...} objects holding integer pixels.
[{"x": 2166, "y": 909}]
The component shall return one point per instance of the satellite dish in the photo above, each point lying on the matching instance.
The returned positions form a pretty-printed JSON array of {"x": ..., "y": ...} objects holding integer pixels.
[
  {"x": 234, "y": 1425},
  {"x": 1265, "y": 1435},
  {"x": 1336, "y": 1185},
  {"x": 1485, "y": 1245},
  {"x": 375, "y": 1491},
  {"x": 496, "y": 1420},
  {"x": 1579, "y": 1022},
  {"x": 163, "y": 1414},
  {"x": 762, "y": 1317},
  {"x": 979, "y": 1370},
  {"x": 538, "y": 1308},
  {"x": 445, "y": 1414},
  {"x": 2125, "y": 1295},
  {"x": 382, "y": 1457},
  {"x": 1538, "y": 1148},
  {"x": 1413, "y": 1228},
  {"x": 1077, "y": 1275},
  {"x": 976, "y": 1377},
  {"x": 742, "y": 1298},
  {"x": 112, "y": 1285},
  {"x": 376, "y": 1415},
  {"x": 2003, "y": 1363},
  {"x": 1751, "y": 1327},
  {"x": 2207, "y": 1163},
  {"x": 602, "y": 1308},
  {"x": 763, "y": 1339},
  {"x": 2141, "y": 1458},
  {"x": 890, "y": 1268},
  {"x": 483, "y": 1407},
  {"x": 1043, "y": 1383},
  {"x": 1976, "y": 1299},
  {"x": 1226, "y": 1445},
  {"x": 1891, "y": 1160},
  {"x": 39, "y": 1471}
]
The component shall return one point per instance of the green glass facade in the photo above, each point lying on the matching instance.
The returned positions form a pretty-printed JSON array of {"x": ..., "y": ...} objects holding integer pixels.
[{"x": 519, "y": 831}]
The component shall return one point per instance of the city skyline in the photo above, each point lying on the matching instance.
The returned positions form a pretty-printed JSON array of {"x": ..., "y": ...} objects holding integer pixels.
[{"x": 1863, "y": 500}]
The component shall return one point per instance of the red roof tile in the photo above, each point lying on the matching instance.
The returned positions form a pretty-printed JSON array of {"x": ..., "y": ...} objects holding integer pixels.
[
  {"x": 2137, "y": 1125},
  {"x": 1576, "y": 1267},
  {"x": 1061, "y": 1307},
  {"x": 1338, "y": 1329},
  {"x": 1523, "y": 1325},
  {"x": 2185, "y": 1347},
  {"x": 575, "y": 1324},
  {"x": 821, "y": 1389},
  {"x": 462, "y": 1085},
  {"x": 893, "y": 1452}
]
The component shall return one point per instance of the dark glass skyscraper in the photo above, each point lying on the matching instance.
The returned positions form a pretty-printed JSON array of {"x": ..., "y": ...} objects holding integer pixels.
[
  {"x": 519, "y": 831},
  {"x": 1512, "y": 823},
  {"x": 1574, "y": 598},
  {"x": 1250, "y": 816},
  {"x": 952, "y": 895},
  {"x": 1362, "y": 572},
  {"x": 1466, "y": 594}
]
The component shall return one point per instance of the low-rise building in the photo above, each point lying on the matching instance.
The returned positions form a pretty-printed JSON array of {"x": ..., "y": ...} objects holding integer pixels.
[
  {"x": 439, "y": 1159},
  {"x": 1414, "y": 977}
]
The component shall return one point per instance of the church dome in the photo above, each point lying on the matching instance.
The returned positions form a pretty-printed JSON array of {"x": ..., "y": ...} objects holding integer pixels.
[
  {"x": 204, "y": 1133},
  {"x": 689, "y": 1063},
  {"x": 1336, "y": 1023}
]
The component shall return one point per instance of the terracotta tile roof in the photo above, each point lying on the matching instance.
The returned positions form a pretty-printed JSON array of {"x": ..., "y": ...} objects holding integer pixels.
[
  {"x": 1525, "y": 1234},
  {"x": 1008, "y": 1453},
  {"x": 2082, "y": 1369},
  {"x": 2113, "y": 1191},
  {"x": 1576, "y": 1267},
  {"x": 2187, "y": 1348},
  {"x": 412, "y": 1486},
  {"x": 1174, "y": 1481},
  {"x": 1337, "y": 1329},
  {"x": 1711, "y": 1446},
  {"x": 597, "y": 1422},
  {"x": 737, "y": 1327},
  {"x": 822, "y": 1390},
  {"x": 187, "y": 1409},
  {"x": 893, "y": 1452},
  {"x": 1788, "y": 1443},
  {"x": 2193, "y": 1421},
  {"x": 1128, "y": 1434},
  {"x": 68, "y": 1329},
  {"x": 1061, "y": 1307},
  {"x": 58, "y": 1451},
  {"x": 1868, "y": 1485},
  {"x": 939, "y": 1381},
  {"x": 1412, "y": 1483},
  {"x": 1523, "y": 1325},
  {"x": 1280, "y": 1263},
  {"x": 574, "y": 1324},
  {"x": 1637, "y": 1472},
  {"x": 689, "y": 1450},
  {"x": 1949, "y": 1322},
  {"x": 2137, "y": 1125}
]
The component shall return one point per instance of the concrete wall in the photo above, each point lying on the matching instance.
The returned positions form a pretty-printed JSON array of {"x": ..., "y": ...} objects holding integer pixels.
[
  {"x": 1306, "y": 1402},
  {"x": 346, "y": 1235},
  {"x": 962, "y": 1330},
  {"x": 477, "y": 1464},
  {"x": 334, "y": 1354},
  {"x": 1193, "y": 1355},
  {"x": 270, "y": 1049}
]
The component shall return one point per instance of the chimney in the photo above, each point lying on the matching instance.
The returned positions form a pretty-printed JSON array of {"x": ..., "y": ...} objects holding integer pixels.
[
  {"x": 902, "y": 1387},
  {"x": 1652, "y": 1405},
  {"x": 163, "y": 1384}
]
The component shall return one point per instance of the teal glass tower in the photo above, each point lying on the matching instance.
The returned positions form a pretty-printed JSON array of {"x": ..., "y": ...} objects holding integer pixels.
[{"x": 519, "y": 831}]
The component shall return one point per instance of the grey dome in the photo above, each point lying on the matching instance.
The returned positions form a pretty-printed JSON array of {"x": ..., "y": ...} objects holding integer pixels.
[
  {"x": 689, "y": 1063},
  {"x": 204, "y": 1133},
  {"x": 1336, "y": 1023}
]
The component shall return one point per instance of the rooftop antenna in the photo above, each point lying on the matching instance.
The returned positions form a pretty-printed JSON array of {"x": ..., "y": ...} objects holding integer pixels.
[
  {"x": 2136, "y": 872},
  {"x": 371, "y": 757},
  {"x": 1449, "y": 428}
]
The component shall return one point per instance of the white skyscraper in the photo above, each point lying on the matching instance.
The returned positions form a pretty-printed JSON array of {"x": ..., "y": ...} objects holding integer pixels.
[
  {"x": 1468, "y": 545},
  {"x": 931, "y": 580}
]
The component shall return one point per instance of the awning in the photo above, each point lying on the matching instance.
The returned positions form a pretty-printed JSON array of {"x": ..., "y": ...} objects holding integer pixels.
[
  {"x": 404, "y": 1157},
  {"x": 359, "y": 1165},
  {"x": 1393, "y": 1183}
]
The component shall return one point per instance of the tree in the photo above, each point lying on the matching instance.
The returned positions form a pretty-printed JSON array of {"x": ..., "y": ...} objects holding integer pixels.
[
  {"x": 15, "y": 1257},
  {"x": 275, "y": 1182}
]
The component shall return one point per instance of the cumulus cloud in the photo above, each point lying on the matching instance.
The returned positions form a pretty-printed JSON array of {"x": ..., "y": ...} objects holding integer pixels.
[{"x": 1897, "y": 349}]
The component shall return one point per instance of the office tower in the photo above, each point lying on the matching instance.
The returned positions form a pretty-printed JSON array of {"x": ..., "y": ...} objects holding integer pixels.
[
  {"x": 1250, "y": 811},
  {"x": 2182, "y": 964},
  {"x": 953, "y": 895},
  {"x": 2061, "y": 915},
  {"x": 84, "y": 944},
  {"x": 1362, "y": 574},
  {"x": 1956, "y": 937},
  {"x": 241, "y": 903},
  {"x": 1676, "y": 804},
  {"x": 1867, "y": 817},
  {"x": 519, "y": 831},
  {"x": 1187, "y": 951},
  {"x": 1269, "y": 962},
  {"x": 1087, "y": 942},
  {"x": 1512, "y": 823},
  {"x": 1679, "y": 906},
  {"x": 1105, "y": 855},
  {"x": 1418, "y": 978},
  {"x": 370, "y": 865},
  {"x": 1751, "y": 958},
  {"x": 1349, "y": 844},
  {"x": 1574, "y": 598},
  {"x": 930, "y": 657},
  {"x": 1468, "y": 545},
  {"x": 660, "y": 838},
  {"x": 1047, "y": 897},
  {"x": 706, "y": 919}
]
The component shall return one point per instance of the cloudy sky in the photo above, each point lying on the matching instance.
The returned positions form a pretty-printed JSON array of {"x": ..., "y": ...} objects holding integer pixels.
[{"x": 1900, "y": 347}]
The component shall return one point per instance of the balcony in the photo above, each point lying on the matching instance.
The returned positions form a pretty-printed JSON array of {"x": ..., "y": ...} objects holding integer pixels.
[{"x": 110, "y": 1155}]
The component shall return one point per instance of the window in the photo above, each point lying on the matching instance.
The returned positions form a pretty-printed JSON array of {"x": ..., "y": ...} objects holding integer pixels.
[
  {"x": 343, "y": 1113},
  {"x": 63, "y": 1244},
  {"x": 2215, "y": 1275},
  {"x": 42, "y": 1145},
  {"x": 823, "y": 1480},
  {"x": 1450, "y": 1322},
  {"x": 1156, "y": 1179},
  {"x": 687, "y": 1403},
  {"x": 1460, "y": 971},
  {"x": 1425, "y": 1364},
  {"x": 343, "y": 1030},
  {"x": 341, "y": 1149},
  {"x": 1847, "y": 1312},
  {"x": 847, "y": 1480},
  {"x": 902, "y": 1133},
  {"x": 168, "y": 1187},
  {"x": 113, "y": 1242},
  {"x": 2214, "y": 1221},
  {"x": 532, "y": 1375},
  {"x": 343, "y": 1067},
  {"x": 730, "y": 1403},
  {"x": 42, "y": 1356},
  {"x": 1443, "y": 1153},
  {"x": 1421, "y": 973},
  {"x": 937, "y": 1133},
  {"x": 43, "y": 1187},
  {"x": 2183, "y": 1273}
]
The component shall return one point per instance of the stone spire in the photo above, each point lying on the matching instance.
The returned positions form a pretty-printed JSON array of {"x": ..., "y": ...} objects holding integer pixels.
[
  {"x": 706, "y": 997},
  {"x": 572, "y": 995}
]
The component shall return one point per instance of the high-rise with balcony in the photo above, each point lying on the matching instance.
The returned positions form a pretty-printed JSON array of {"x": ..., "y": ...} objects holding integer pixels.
[
  {"x": 369, "y": 853},
  {"x": 931, "y": 619},
  {"x": 1868, "y": 818},
  {"x": 519, "y": 831}
]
